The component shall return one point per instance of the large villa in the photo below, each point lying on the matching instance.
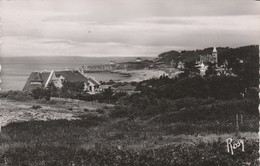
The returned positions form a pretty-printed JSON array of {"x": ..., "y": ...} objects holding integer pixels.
[{"x": 43, "y": 79}]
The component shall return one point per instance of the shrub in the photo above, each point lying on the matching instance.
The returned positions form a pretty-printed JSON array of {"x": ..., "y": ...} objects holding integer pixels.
[
  {"x": 40, "y": 93},
  {"x": 36, "y": 107},
  {"x": 120, "y": 111},
  {"x": 100, "y": 111},
  {"x": 3, "y": 94},
  {"x": 86, "y": 110},
  {"x": 193, "y": 110},
  {"x": 192, "y": 102},
  {"x": 17, "y": 95}
]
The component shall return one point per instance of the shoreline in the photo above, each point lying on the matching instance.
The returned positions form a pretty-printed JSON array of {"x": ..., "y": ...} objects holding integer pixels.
[
  {"x": 107, "y": 71},
  {"x": 133, "y": 75}
]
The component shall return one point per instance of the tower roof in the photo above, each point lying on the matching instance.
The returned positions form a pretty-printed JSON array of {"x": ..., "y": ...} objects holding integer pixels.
[{"x": 214, "y": 49}]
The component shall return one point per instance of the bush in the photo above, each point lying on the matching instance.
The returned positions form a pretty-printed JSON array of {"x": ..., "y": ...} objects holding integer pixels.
[
  {"x": 192, "y": 110},
  {"x": 100, "y": 111},
  {"x": 44, "y": 101},
  {"x": 4, "y": 94},
  {"x": 120, "y": 111},
  {"x": 192, "y": 102},
  {"x": 40, "y": 93},
  {"x": 36, "y": 107},
  {"x": 17, "y": 95}
]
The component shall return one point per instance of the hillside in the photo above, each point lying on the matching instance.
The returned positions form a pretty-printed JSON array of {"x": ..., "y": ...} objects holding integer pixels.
[
  {"x": 99, "y": 137},
  {"x": 170, "y": 121},
  {"x": 223, "y": 54}
]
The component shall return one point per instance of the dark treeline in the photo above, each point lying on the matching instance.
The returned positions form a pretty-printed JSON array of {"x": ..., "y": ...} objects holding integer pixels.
[
  {"x": 223, "y": 87},
  {"x": 191, "y": 98}
]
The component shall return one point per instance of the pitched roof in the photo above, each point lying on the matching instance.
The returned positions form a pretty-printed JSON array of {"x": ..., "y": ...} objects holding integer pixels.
[
  {"x": 71, "y": 75},
  {"x": 75, "y": 76},
  {"x": 93, "y": 81},
  {"x": 36, "y": 77}
]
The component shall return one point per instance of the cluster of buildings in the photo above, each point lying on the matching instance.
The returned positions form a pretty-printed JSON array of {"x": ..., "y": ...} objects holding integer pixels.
[
  {"x": 206, "y": 60},
  {"x": 91, "y": 85}
]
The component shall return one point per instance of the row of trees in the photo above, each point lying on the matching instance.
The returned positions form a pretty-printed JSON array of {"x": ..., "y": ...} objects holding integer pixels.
[{"x": 190, "y": 99}]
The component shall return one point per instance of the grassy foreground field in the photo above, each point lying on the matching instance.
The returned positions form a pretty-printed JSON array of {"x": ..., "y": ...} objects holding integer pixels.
[{"x": 92, "y": 137}]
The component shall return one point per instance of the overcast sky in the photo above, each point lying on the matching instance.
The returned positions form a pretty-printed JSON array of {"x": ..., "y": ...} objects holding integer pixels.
[{"x": 125, "y": 27}]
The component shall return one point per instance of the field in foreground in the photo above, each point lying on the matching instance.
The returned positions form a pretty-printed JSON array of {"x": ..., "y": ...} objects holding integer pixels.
[{"x": 91, "y": 137}]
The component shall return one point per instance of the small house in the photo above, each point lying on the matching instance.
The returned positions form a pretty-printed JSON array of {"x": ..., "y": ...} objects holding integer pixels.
[
  {"x": 180, "y": 65},
  {"x": 138, "y": 59},
  {"x": 112, "y": 62}
]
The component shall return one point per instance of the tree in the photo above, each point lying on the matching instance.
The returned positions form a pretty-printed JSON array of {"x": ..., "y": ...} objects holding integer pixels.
[
  {"x": 211, "y": 70},
  {"x": 40, "y": 93},
  {"x": 225, "y": 87},
  {"x": 53, "y": 89},
  {"x": 107, "y": 94},
  {"x": 72, "y": 89},
  {"x": 190, "y": 69},
  {"x": 252, "y": 93}
]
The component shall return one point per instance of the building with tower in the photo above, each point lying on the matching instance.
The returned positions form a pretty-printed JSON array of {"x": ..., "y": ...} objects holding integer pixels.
[
  {"x": 210, "y": 58},
  {"x": 204, "y": 61},
  {"x": 214, "y": 57}
]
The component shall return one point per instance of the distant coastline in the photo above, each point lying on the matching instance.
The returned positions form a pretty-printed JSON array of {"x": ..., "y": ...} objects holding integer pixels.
[{"x": 16, "y": 70}]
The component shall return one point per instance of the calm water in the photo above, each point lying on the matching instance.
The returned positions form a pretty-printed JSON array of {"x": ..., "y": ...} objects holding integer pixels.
[{"x": 15, "y": 70}]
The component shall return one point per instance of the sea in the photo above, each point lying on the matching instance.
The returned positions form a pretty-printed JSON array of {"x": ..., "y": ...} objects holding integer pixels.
[{"x": 16, "y": 70}]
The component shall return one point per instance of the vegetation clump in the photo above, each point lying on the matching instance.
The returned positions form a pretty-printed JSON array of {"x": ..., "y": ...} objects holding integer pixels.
[{"x": 17, "y": 95}]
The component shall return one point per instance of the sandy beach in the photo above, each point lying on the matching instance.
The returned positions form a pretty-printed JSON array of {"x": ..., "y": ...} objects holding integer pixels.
[{"x": 140, "y": 75}]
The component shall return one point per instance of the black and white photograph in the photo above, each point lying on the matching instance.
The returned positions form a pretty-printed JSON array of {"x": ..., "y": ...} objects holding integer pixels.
[{"x": 129, "y": 82}]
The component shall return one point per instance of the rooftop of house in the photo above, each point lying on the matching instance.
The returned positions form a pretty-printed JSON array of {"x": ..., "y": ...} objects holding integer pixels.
[
  {"x": 71, "y": 75},
  {"x": 39, "y": 79},
  {"x": 36, "y": 79},
  {"x": 93, "y": 80}
]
